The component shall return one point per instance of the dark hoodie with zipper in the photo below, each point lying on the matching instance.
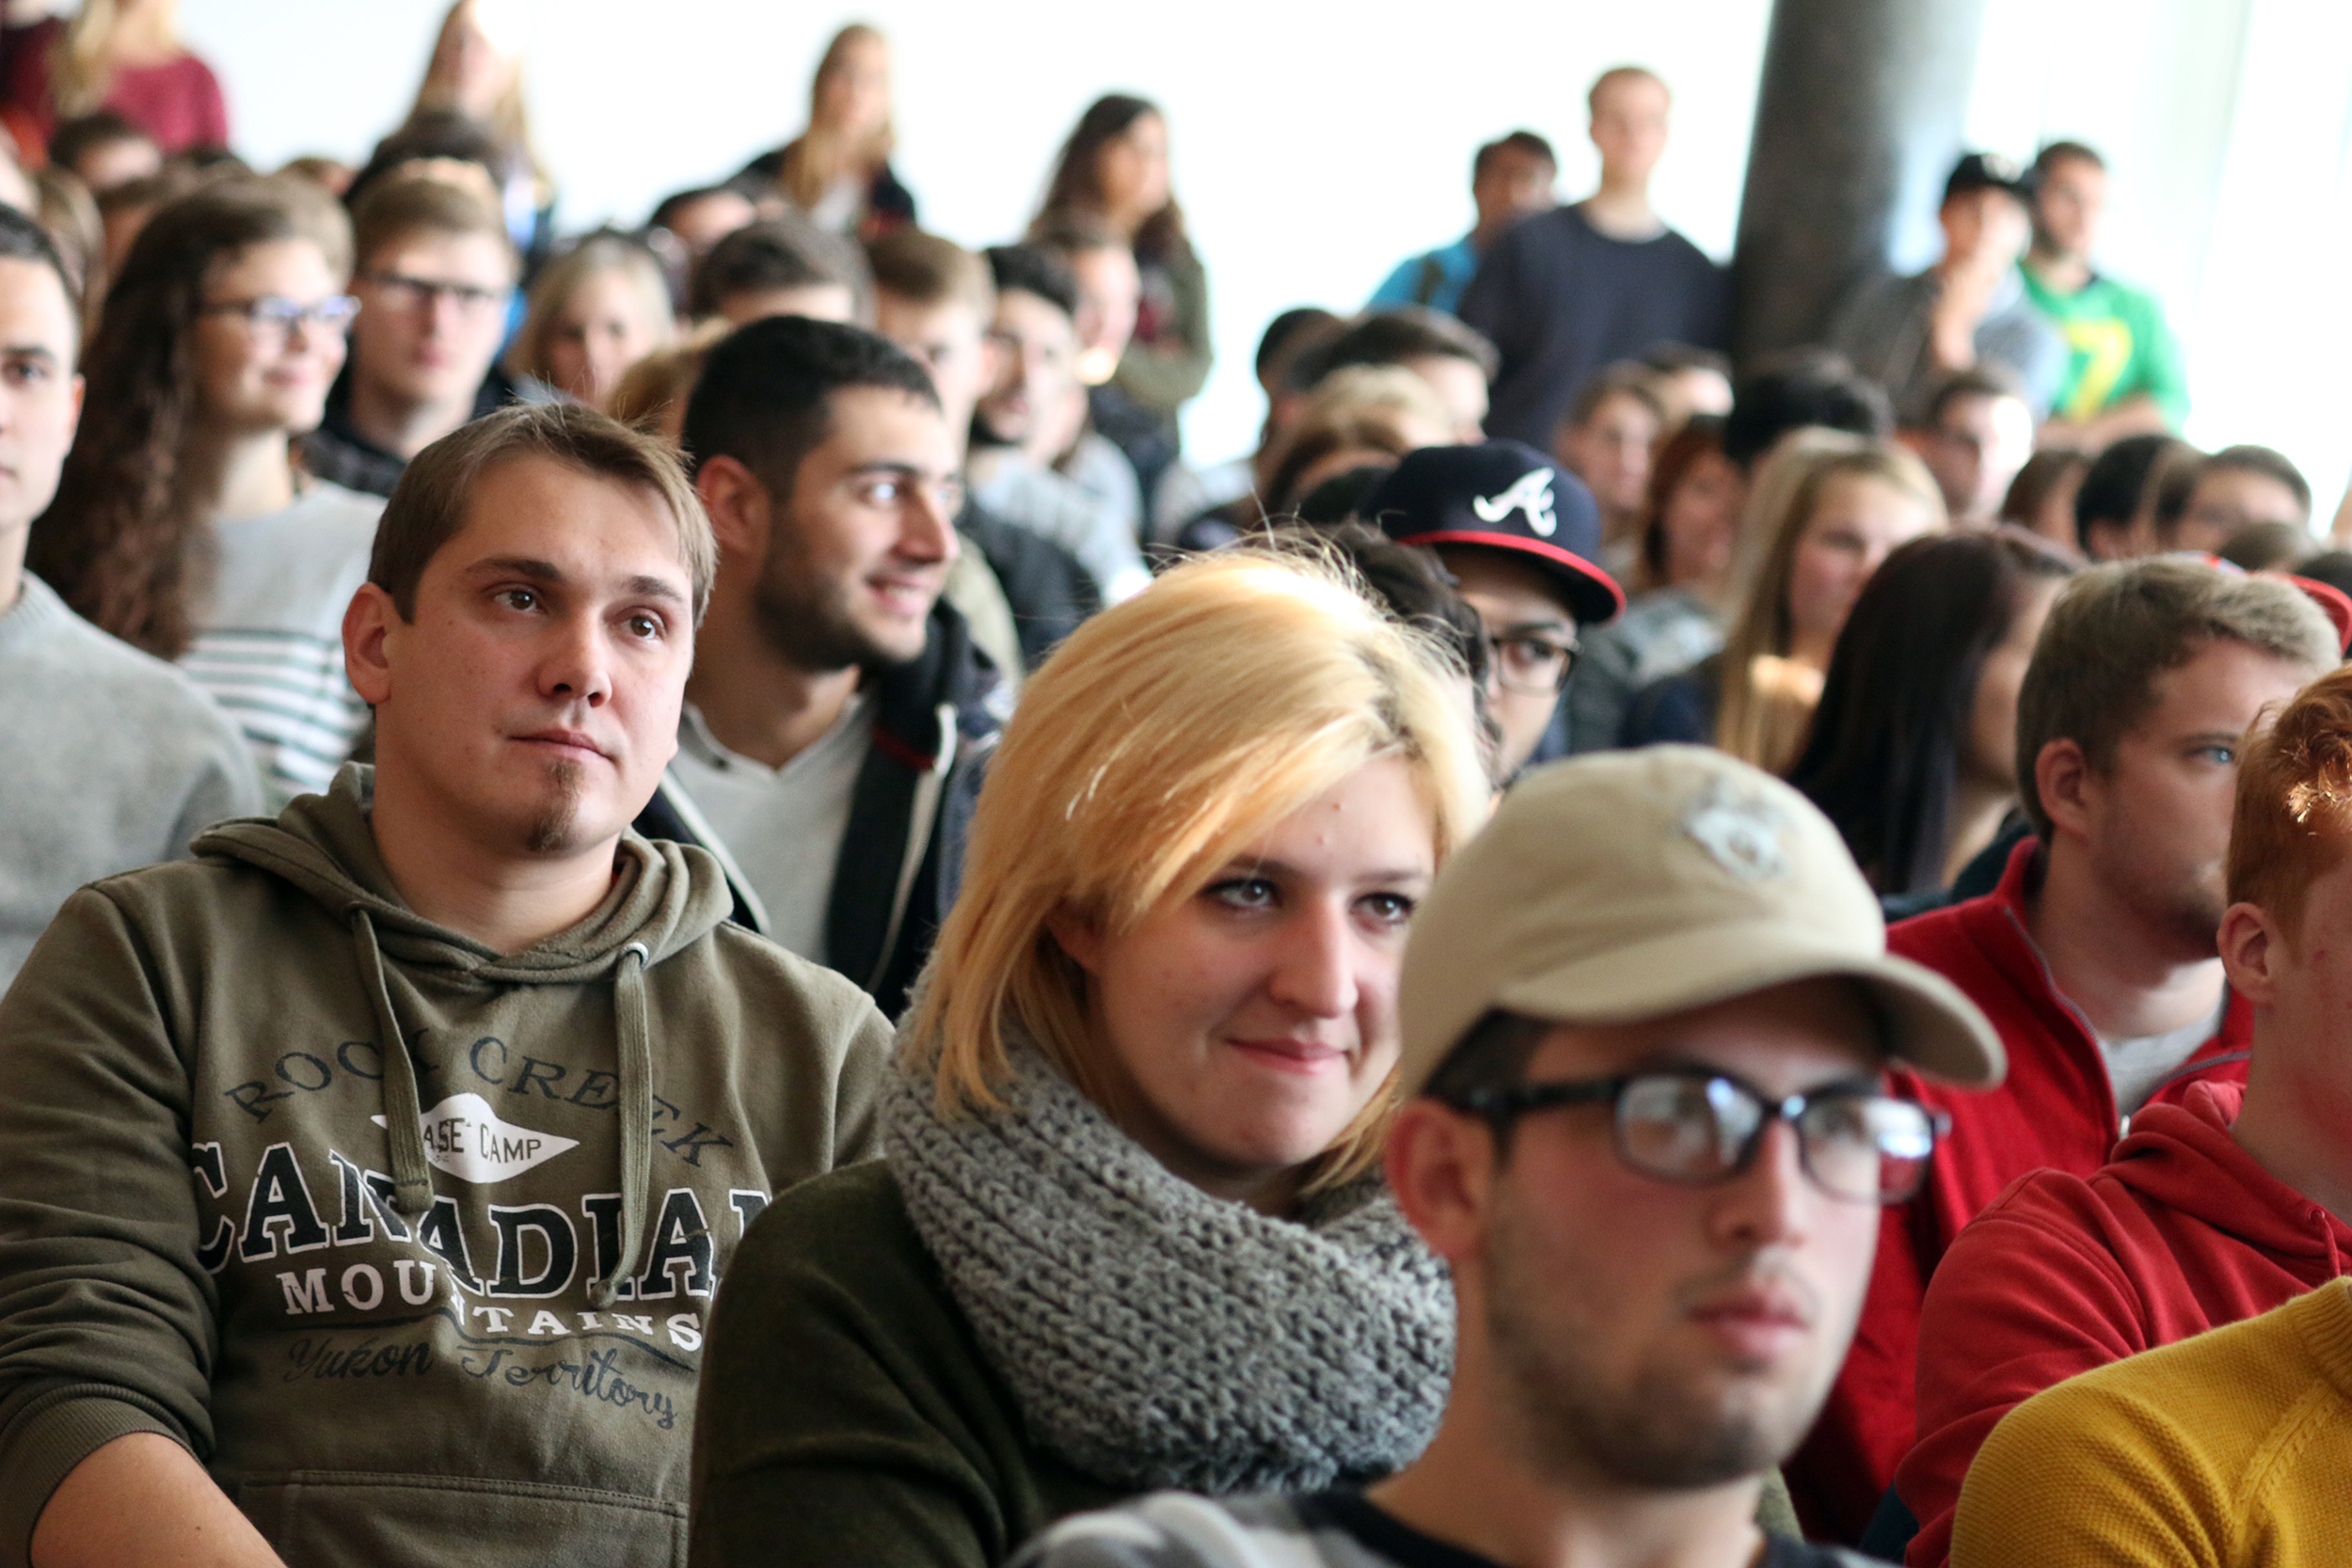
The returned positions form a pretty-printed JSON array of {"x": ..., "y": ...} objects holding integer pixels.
[
  {"x": 410, "y": 1243},
  {"x": 936, "y": 720}
]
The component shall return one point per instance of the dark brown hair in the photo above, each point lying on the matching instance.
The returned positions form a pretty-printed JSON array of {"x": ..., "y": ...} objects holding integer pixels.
[
  {"x": 428, "y": 506},
  {"x": 123, "y": 541},
  {"x": 1077, "y": 183},
  {"x": 1884, "y": 755}
]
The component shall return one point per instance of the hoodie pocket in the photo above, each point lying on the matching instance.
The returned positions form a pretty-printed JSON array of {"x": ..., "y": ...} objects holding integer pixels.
[{"x": 360, "y": 1519}]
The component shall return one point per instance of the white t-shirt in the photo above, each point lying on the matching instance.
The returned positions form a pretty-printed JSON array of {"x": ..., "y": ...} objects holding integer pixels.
[
  {"x": 269, "y": 640},
  {"x": 782, "y": 826}
]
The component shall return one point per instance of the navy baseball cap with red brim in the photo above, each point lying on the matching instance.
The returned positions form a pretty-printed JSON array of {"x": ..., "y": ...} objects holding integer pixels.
[{"x": 1501, "y": 495}]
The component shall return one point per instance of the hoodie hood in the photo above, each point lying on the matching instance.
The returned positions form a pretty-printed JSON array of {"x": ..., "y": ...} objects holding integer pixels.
[
  {"x": 663, "y": 899},
  {"x": 2182, "y": 1157},
  {"x": 664, "y": 896}
]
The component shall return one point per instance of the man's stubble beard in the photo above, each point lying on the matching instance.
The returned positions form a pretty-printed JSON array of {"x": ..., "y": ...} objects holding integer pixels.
[
  {"x": 807, "y": 619},
  {"x": 1660, "y": 1429}
]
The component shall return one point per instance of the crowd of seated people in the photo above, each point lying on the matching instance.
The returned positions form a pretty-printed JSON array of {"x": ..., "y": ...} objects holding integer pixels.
[{"x": 685, "y": 893}]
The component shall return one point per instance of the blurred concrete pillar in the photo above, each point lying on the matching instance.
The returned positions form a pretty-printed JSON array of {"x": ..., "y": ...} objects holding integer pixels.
[{"x": 1857, "y": 121}]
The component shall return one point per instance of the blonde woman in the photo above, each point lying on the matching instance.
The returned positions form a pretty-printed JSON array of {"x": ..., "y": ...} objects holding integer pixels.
[
  {"x": 121, "y": 54},
  {"x": 593, "y": 311},
  {"x": 838, "y": 173},
  {"x": 476, "y": 72},
  {"x": 1826, "y": 509},
  {"x": 1130, "y": 1231}
]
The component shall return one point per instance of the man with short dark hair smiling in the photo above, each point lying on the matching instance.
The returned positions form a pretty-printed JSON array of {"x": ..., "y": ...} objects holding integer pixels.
[
  {"x": 836, "y": 701},
  {"x": 1644, "y": 1019},
  {"x": 370, "y": 1177}
]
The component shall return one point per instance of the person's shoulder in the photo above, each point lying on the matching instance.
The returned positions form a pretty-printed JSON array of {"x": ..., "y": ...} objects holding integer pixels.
[
  {"x": 846, "y": 1235},
  {"x": 340, "y": 506}
]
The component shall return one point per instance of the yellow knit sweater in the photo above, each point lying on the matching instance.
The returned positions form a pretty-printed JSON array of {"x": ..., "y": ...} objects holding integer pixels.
[{"x": 2232, "y": 1450}]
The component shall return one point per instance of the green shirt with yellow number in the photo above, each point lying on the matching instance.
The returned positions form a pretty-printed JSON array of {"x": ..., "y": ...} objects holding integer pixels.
[{"x": 2118, "y": 347}]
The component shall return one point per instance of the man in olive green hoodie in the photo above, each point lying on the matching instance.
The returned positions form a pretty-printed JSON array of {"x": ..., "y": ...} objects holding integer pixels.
[{"x": 367, "y": 1179}]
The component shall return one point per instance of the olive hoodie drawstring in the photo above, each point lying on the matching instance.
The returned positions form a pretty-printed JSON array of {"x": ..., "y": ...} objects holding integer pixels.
[
  {"x": 632, "y": 1025},
  {"x": 403, "y": 1112}
]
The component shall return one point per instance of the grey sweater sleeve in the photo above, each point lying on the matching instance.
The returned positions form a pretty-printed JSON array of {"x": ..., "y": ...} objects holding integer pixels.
[
  {"x": 226, "y": 785},
  {"x": 106, "y": 1313}
]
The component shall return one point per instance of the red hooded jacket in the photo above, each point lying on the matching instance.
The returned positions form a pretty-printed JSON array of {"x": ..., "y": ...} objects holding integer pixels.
[
  {"x": 2056, "y": 1111},
  {"x": 2182, "y": 1232}
]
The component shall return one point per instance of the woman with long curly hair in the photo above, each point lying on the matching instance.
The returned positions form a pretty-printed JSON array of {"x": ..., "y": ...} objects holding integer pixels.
[{"x": 180, "y": 523}]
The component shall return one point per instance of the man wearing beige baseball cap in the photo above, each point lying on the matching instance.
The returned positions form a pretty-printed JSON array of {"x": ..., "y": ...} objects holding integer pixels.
[{"x": 1644, "y": 1017}]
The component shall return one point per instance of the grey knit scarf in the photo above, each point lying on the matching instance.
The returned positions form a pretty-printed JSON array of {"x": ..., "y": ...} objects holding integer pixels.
[{"x": 1157, "y": 1337}]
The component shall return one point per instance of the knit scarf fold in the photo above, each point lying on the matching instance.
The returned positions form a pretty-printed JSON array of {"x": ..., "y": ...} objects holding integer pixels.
[{"x": 1156, "y": 1336}]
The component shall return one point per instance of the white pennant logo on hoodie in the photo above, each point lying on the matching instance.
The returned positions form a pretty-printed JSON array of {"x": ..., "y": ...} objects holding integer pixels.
[{"x": 465, "y": 1138}]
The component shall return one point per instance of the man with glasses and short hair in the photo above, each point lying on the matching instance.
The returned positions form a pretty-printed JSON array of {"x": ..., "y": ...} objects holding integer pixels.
[
  {"x": 1519, "y": 535},
  {"x": 1645, "y": 1021},
  {"x": 436, "y": 276}
]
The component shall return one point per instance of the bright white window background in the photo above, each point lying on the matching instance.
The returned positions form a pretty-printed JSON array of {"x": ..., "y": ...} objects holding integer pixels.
[{"x": 1311, "y": 154}]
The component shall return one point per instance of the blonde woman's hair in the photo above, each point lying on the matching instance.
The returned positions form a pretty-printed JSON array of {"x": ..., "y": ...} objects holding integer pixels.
[
  {"x": 556, "y": 282},
  {"x": 509, "y": 118},
  {"x": 1164, "y": 737},
  {"x": 82, "y": 69},
  {"x": 1767, "y": 697},
  {"x": 818, "y": 155}
]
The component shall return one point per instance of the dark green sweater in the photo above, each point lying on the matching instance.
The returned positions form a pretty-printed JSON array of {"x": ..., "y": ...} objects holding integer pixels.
[{"x": 848, "y": 1414}]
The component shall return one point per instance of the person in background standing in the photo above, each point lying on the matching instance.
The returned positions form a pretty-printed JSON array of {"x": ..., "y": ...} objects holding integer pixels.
[
  {"x": 121, "y": 54},
  {"x": 477, "y": 71},
  {"x": 595, "y": 312},
  {"x": 1567, "y": 291},
  {"x": 1114, "y": 170},
  {"x": 1509, "y": 178},
  {"x": 180, "y": 525},
  {"x": 1908, "y": 334},
  {"x": 2124, "y": 374},
  {"x": 837, "y": 172}
]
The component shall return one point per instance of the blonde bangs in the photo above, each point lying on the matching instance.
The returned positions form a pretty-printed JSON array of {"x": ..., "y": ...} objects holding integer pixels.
[{"x": 1157, "y": 743}]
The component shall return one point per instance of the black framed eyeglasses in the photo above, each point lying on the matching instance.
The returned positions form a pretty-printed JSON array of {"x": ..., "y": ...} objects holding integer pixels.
[
  {"x": 1696, "y": 1126},
  {"x": 423, "y": 294},
  {"x": 1530, "y": 662}
]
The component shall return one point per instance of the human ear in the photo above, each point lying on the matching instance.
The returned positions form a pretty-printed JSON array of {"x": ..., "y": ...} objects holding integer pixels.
[
  {"x": 1441, "y": 1165},
  {"x": 738, "y": 506},
  {"x": 1077, "y": 938},
  {"x": 367, "y": 628},
  {"x": 2061, "y": 776},
  {"x": 2250, "y": 950}
]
